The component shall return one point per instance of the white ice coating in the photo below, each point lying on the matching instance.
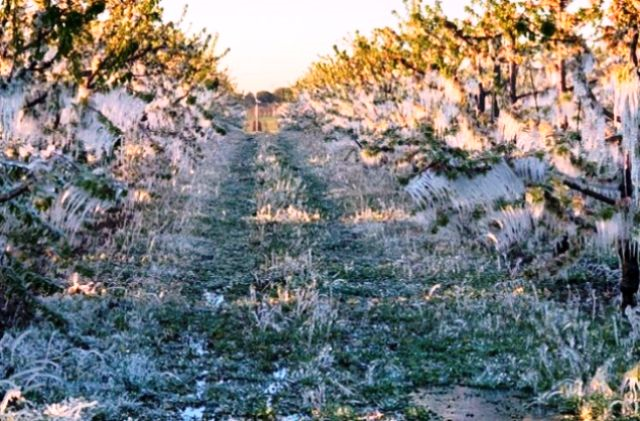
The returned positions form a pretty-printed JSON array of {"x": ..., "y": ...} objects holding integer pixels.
[
  {"x": 562, "y": 163},
  {"x": 627, "y": 107},
  {"x": 592, "y": 145},
  {"x": 15, "y": 123},
  {"x": 535, "y": 139},
  {"x": 465, "y": 139},
  {"x": 96, "y": 138},
  {"x": 508, "y": 227},
  {"x": 121, "y": 108},
  {"x": 156, "y": 116},
  {"x": 444, "y": 116},
  {"x": 72, "y": 209},
  {"x": 509, "y": 128},
  {"x": 464, "y": 193},
  {"x": 10, "y": 105},
  {"x": 80, "y": 125},
  {"x": 531, "y": 168},
  {"x": 610, "y": 231},
  {"x": 592, "y": 124},
  {"x": 433, "y": 99}
]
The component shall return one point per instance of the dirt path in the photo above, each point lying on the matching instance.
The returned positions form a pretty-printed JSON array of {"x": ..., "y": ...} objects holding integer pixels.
[
  {"x": 293, "y": 283},
  {"x": 308, "y": 302},
  {"x": 224, "y": 219}
]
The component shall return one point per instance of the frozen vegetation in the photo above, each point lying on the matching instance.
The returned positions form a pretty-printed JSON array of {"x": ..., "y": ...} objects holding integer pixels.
[{"x": 445, "y": 225}]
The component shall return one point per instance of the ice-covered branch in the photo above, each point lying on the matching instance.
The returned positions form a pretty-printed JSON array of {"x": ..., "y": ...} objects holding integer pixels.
[
  {"x": 574, "y": 185},
  {"x": 15, "y": 192}
]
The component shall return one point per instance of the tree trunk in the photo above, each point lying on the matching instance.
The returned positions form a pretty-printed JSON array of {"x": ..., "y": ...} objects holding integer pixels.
[
  {"x": 628, "y": 252},
  {"x": 513, "y": 82},
  {"x": 563, "y": 88},
  {"x": 562, "y": 65},
  {"x": 562, "y": 83},
  {"x": 630, "y": 273},
  {"x": 497, "y": 82},
  {"x": 482, "y": 99}
]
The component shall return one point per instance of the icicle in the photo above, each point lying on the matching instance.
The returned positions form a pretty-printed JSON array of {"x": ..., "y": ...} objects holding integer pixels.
[
  {"x": 14, "y": 122},
  {"x": 587, "y": 63},
  {"x": 121, "y": 108},
  {"x": 73, "y": 208},
  {"x": 592, "y": 147},
  {"x": 465, "y": 138},
  {"x": 95, "y": 137},
  {"x": 508, "y": 127},
  {"x": 407, "y": 112},
  {"x": 428, "y": 188},
  {"x": 508, "y": 227},
  {"x": 464, "y": 193},
  {"x": 444, "y": 117},
  {"x": 627, "y": 107},
  {"x": 531, "y": 168},
  {"x": 610, "y": 231},
  {"x": 531, "y": 140},
  {"x": 581, "y": 90},
  {"x": 451, "y": 90}
]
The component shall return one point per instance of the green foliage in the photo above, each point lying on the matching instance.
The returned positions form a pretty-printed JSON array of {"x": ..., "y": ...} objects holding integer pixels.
[
  {"x": 548, "y": 29},
  {"x": 212, "y": 84},
  {"x": 607, "y": 213},
  {"x": 101, "y": 188}
]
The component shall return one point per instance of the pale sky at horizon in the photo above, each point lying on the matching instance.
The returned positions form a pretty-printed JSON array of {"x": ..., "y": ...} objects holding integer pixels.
[{"x": 273, "y": 42}]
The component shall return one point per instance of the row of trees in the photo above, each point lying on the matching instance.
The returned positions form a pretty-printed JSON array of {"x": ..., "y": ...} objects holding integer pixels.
[
  {"x": 522, "y": 116},
  {"x": 101, "y": 105}
]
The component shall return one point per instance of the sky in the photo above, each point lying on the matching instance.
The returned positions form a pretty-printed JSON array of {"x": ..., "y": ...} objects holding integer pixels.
[{"x": 273, "y": 42}]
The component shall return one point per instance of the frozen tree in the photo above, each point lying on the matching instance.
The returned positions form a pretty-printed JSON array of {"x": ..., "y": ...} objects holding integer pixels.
[
  {"x": 101, "y": 104},
  {"x": 521, "y": 118}
]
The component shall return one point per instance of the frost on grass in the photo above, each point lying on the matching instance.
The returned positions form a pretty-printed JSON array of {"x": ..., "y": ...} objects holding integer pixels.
[
  {"x": 192, "y": 414},
  {"x": 33, "y": 367},
  {"x": 72, "y": 409},
  {"x": 289, "y": 215},
  {"x": 370, "y": 215},
  {"x": 283, "y": 193}
]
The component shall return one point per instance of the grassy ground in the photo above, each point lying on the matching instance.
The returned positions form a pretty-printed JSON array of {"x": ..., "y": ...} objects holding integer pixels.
[{"x": 293, "y": 283}]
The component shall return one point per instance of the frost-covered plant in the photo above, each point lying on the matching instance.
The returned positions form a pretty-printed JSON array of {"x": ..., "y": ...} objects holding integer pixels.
[
  {"x": 513, "y": 110},
  {"x": 282, "y": 195},
  {"x": 303, "y": 310},
  {"x": 102, "y": 105}
]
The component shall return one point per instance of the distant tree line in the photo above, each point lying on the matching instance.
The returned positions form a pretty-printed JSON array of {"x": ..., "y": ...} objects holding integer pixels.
[{"x": 278, "y": 96}]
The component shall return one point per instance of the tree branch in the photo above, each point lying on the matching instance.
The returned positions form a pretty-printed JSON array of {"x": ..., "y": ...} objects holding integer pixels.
[
  {"x": 532, "y": 93},
  {"x": 15, "y": 164},
  {"x": 12, "y": 194},
  {"x": 616, "y": 138},
  {"x": 574, "y": 185},
  {"x": 469, "y": 39},
  {"x": 37, "y": 100}
]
